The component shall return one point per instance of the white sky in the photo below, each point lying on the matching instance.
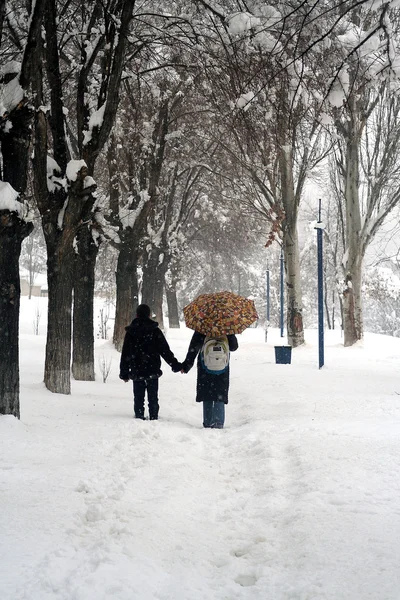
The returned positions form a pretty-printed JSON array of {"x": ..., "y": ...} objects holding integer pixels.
[{"x": 296, "y": 499}]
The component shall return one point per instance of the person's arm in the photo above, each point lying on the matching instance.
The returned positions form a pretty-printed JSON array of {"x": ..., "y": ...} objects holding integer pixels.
[
  {"x": 124, "y": 364},
  {"x": 166, "y": 352},
  {"x": 195, "y": 346},
  {"x": 233, "y": 343}
]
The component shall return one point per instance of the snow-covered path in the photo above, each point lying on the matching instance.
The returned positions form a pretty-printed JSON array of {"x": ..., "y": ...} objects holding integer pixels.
[{"x": 296, "y": 499}]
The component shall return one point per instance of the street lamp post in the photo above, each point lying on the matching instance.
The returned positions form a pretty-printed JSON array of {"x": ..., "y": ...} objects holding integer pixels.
[{"x": 320, "y": 228}]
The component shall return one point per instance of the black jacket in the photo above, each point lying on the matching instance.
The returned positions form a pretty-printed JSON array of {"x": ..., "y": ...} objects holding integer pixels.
[
  {"x": 144, "y": 343},
  {"x": 209, "y": 386}
]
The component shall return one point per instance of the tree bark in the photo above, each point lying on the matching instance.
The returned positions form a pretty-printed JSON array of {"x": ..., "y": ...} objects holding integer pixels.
[
  {"x": 326, "y": 304},
  {"x": 154, "y": 269},
  {"x": 58, "y": 226},
  {"x": 352, "y": 262},
  {"x": 58, "y": 345},
  {"x": 83, "y": 326},
  {"x": 172, "y": 303},
  {"x": 294, "y": 310},
  {"x": 12, "y": 232},
  {"x": 295, "y": 330},
  {"x": 15, "y": 148},
  {"x": 127, "y": 292},
  {"x": 9, "y": 324},
  {"x": 352, "y": 309}
]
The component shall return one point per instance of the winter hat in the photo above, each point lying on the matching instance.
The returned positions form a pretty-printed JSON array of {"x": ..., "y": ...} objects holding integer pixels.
[{"x": 143, "y": 311}]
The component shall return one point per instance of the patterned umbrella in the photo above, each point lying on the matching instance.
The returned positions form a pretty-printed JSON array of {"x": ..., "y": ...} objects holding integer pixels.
[{"x": 220, "y": 313}]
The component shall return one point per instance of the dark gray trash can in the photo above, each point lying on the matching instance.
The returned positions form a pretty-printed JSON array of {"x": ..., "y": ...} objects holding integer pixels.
[{"x": 283, "y": 355}]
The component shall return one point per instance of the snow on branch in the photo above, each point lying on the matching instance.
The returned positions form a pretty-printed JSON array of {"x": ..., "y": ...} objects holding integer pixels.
[
  {"x": 96, "y": 120},
  {"x": 244, "y": 101},
  {"x": 73, "y": 168},
  {"x": 128, "y": 216},
  {"x": 54, "y": 182},
  {"x": 241, "y": 23},
  {"x": 8, "y": 199},
  {"x": 11, "y": 94}
]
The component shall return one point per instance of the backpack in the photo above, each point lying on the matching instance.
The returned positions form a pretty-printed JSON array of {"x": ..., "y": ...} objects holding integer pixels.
[{"x": 215, "y": 354}]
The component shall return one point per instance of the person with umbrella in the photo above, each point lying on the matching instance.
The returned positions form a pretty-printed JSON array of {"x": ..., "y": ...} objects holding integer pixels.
[{"x": 216, "y": 318}]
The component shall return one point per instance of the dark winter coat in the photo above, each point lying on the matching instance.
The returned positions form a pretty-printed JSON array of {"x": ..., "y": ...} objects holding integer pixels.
[
  {"x": 209, "y": 386},
  {"x": 144, "y": 343}
]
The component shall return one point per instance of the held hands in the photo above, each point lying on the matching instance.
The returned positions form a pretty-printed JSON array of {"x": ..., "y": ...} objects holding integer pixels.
[
  {"x": 178, "y": 368},
  {"x": 184, "y": 369}
]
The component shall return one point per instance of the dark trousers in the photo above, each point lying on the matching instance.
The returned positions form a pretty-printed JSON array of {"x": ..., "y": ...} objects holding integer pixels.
[{"x": 139, "y": 389}]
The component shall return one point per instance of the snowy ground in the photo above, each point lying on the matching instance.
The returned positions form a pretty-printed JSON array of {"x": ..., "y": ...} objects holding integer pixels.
[{"x": 296, "y": 499}]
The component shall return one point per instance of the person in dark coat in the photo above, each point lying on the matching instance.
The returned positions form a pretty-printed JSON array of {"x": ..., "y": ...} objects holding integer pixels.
[
  {"x": 144, "y": 343},
  {"x": 211, "y": 390}
]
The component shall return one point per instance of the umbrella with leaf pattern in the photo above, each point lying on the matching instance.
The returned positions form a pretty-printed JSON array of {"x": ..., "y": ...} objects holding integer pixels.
[{"x": 220, "y": 313}]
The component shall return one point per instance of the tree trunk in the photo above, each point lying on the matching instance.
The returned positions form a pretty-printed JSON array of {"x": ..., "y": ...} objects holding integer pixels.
[
  {"x": 154, "y": 270},
  {"x": 56, "y": 212},
  {"x": 127, "y": 292},
  {"x": 58, "y": 345},
  {"x": 294, "y": 301},
  {"x": 352, "y": 263},
  {"x": 10, "y": 248},
  {"x": 294, "y": 310},
  {"x": 83, "y": 326},
  {"x": 108, "y": 93},
  {"x": 14, "y": 149},
  {"x": 12, "y": 232},
  {"x": 326, "y": 301},
  {"x": 172, "y": 302},
  {"x": 352, "y": 308}
]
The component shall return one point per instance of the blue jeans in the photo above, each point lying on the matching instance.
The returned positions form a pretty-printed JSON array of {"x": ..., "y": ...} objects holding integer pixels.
[
  {"x": 213, "y": 414},
  {"x": 139, "y": 389}
]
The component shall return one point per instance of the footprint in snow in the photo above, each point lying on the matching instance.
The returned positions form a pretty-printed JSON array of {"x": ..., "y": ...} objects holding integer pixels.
[{"x": 246, "y": 580}]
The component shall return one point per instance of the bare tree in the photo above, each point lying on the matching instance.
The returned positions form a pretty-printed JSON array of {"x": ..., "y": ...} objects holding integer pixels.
[{"x": 105, "y": 366}]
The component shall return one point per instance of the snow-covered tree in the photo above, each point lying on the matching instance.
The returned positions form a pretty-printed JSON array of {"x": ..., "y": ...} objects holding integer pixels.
[
  {"x": 19, "y": 39},
  {"x": 64, "y": 181},
  {"x": 296, "y": 61},
  {"x": 381, "y": 290},
  {"x": 365, "y": 102}
]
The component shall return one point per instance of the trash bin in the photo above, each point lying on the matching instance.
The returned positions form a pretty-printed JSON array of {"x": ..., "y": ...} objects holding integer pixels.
[{"x": 283, "y": 355}]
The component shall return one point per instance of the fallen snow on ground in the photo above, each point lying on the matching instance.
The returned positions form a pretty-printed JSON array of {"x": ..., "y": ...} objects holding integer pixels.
[{"x": 296, "y": 499}]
